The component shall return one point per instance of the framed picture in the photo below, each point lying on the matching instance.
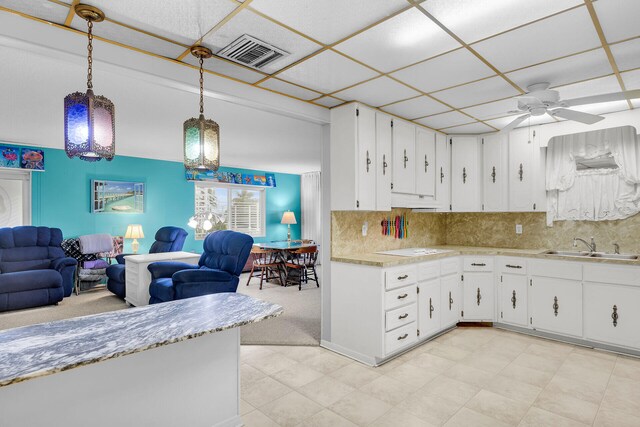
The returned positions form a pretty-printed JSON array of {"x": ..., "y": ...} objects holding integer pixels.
[
  {"x": 9, "y": 156},
  {"x": 32, "y": 158},
  {"x": 121, "y": 197}
]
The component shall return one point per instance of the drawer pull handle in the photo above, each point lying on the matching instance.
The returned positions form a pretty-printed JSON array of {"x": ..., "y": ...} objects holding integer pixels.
[
  {"x": 513, "y": 266},
  {"x": 401, "y": 337},
  {"x": 555, "y": 306},
  {"x": 404, "y": 316},
  {"x": 403, "y": 277},
  {"x": 403, "y": 296},
  {"x": 614, "y": 316},
  {"x": 513, "y": 299},
  {"x": 478, "y": 296},
  {"x": 481, "y": 264},
  {"x": 430, "y": 309},
  {"x": 450, "y": 301}
]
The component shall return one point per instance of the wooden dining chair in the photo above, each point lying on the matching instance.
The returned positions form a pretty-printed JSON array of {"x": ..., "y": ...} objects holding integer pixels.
[
  {"x": 265, "y": 265},
  {"x": 301, "y": 268}
]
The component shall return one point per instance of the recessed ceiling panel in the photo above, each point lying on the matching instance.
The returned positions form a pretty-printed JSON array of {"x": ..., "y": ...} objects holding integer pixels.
[
  {"x": 328, "y": 101},
  {"x": 444, "y": 120},
  {"x": 42, "y": 9},
  {"x": 377, "y": 92},
  {"x": 551, "y": 38},
  {"x": 129, "y": 37},
  {"x": 482, "y": 91},
  {"x": 472, "y": 128},
  {"x": 447, "y": 70},
  {"x": 289, "y": 89},
  {"x": 608, "y": 84},
  {"x": 631, "y": 79},
  {"x": 402, "y": 40},
  {"x": 531, "y": 121},
  {"x": 493, "y": 109},
  {"x": 614, "y": 16},
  {"x": 328, "y": 20},
  {"x": 416, "y": 107},
  {"x": 327, "y": 72},
  {"x": 247, "y": 22},
  {"x": 563, "y": 71},
  {"x": 226, "y": 68},
  {"x": 472, "y": 20},
  {"x": 603, "y": 108},
  {"x": 184, "y": 21},
  {"x": 627, "y": 54}
]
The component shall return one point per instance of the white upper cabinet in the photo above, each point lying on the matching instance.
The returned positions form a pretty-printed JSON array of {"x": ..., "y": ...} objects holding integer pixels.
[
  {"x": 425, "y": 162},
  {"x": 466, "y": 188},
  {"x": 443, "y": 166},
  {"x": 522, "y": 171},
  {"x": 494, "y": 172},
  {"x": 404, "y": 159},
  {"x": 383, "y": 162}
]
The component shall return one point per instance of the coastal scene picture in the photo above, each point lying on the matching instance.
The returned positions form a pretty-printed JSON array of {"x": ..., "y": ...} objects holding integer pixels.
[{"x": 123, "y": 197}]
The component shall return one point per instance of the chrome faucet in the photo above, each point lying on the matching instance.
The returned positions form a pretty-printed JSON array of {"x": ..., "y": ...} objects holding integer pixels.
[
  {"x": 591, "y": 246},
  {"x": 616, "y": 248}
]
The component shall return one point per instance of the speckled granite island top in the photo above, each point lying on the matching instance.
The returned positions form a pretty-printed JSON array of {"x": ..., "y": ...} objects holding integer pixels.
[{"x": 46, "y": 348}]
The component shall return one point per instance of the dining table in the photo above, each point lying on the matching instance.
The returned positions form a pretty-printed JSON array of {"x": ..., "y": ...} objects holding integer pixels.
[{"x": 283, "y": 250}]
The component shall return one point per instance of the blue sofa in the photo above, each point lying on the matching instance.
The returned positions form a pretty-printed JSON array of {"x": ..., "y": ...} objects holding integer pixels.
[
  {"x": 168, "y": 239},
  {"x": 34, "y": 270},
  {"x": 219, "y": 268}
]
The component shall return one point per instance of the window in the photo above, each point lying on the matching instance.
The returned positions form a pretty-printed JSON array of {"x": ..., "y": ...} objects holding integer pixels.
[{"x": 233, "y": 207}]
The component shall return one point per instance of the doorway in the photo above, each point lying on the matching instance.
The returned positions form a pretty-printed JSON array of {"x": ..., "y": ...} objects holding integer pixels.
[{"x": 15, "y": 198}]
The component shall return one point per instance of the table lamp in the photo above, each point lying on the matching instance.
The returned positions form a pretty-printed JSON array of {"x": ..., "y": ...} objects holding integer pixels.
[
  {"x": 134, "y": 231},
  {"x": 288, "y": 218}
]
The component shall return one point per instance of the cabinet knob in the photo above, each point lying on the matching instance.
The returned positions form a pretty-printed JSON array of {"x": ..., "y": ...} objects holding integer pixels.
[
  {"x": 614, "y": 316},
  {"x": 555, "y": 306}
]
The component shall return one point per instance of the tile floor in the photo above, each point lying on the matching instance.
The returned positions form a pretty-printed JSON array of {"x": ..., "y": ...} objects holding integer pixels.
[{"x": 468, "y": 377}]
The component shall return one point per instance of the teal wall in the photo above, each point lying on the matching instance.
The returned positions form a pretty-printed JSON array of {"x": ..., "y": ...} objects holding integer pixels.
[{"x": 61, "y": 198}]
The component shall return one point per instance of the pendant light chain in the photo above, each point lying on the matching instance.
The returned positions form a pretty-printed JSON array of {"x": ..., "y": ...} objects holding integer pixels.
[
  {"x": 90, "y": 55},
  {"x": 201, "y": 86}
]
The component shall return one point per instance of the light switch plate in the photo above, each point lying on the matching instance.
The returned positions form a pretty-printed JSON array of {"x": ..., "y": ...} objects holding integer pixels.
[{"x": 518, "y": 228}]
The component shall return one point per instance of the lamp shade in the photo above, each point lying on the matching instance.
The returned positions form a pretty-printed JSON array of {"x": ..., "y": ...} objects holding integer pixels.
[
  {"x": 89, "y": 126},
  {"x": 288, "y": 218},
  {"x": 134, "y": 231},
  {"x": 201, "y": 144}
]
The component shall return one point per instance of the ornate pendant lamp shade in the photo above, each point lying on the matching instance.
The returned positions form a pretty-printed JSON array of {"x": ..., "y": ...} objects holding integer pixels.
[
  {"x": 89, "y": 119},
  {"x": 201, "y": 136}
]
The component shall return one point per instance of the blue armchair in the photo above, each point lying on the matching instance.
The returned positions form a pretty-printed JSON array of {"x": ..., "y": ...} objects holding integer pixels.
[
  {"x": 219, "y": 268},
  {"x": 168, "y": 239},
  {"x": 33, "y": 268}
]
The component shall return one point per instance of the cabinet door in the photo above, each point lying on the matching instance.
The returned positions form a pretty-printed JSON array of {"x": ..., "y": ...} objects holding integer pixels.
[
  {"x": 465, "y": 183},
  {"x": 366, "y": 176},
  {"x": 556, "y": 305},
  {"x": 478, "y": 296},
  {"x": 429, "y": 307},
  {"x": 612, "y": 314},
  {"x": 449, "y": 300},
  {"x": 513, "y": 299},
  {"x": 404, "y": 159},
  {"x": 425, "y": 162},
  {"x": 494, "y": 173},
  {"x": 383, "y": 162},
  {"x": 521, "y": 170},
  {"x": 443, "y": 164}
]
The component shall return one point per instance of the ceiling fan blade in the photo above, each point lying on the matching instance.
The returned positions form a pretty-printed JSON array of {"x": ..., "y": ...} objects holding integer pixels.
[
  {"x": 577, "y": 116},
  {"x": 608, "y": 97},
  {"x": 514, "y": 123}
]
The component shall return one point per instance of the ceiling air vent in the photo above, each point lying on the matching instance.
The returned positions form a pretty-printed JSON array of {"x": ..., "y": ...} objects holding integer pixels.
[{"x": 252, "y": 52}]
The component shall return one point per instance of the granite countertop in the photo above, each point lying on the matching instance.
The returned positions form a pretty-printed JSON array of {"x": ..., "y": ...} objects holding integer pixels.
[
  {"x": 43, "y": 349},
  {"x": 381, "y": 260}
]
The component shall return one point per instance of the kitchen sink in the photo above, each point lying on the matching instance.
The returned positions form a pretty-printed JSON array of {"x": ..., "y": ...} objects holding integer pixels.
[
  {"x": 568, "y": 253},
  {"x": 613, "y": 256},
  {"x": 586, "y": 254}
]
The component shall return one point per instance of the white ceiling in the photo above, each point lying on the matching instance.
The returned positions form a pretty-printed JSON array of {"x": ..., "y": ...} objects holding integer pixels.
[{"x": 453, "y": 65}]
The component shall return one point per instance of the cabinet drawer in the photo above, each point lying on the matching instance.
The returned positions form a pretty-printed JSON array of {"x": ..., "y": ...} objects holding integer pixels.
[
  {"x": 400, "y": 276},
  {"x": 400, "y": 316},
  {"x": 621, "y": 275},
  {"x": 449, "y": 266},
  {"x": 569, "y": 270},
  {"x": 478, "y": 264},
  {"x": 512, "y": 265},
  {"x": 400, "y": 338},
  {"x": 399, "y": 297},
  {"x": 428, "y": 270}
]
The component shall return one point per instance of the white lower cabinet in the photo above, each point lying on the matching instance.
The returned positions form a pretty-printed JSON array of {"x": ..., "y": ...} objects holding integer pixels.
[
  {"x": 612, "y": 314},
  {"x": 449, "y": 300},
  {"x": 512, "y": 295},
  {"x": 478, "y": 296},
  {"x": 429, "y": 307},
  {"x": 556, "y": 305}
]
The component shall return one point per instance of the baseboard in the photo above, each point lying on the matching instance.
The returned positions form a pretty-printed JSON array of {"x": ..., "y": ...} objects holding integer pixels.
[
  {"x": 231, "y": 422},
  {"x": 370, "y": 361}
]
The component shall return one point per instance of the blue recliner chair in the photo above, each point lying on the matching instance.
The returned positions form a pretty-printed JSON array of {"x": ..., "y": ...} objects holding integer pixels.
[
  {"x": 168, "y": 239},
  {"x": 34, "y": 270},
  {"x": 219, "y": 268}
]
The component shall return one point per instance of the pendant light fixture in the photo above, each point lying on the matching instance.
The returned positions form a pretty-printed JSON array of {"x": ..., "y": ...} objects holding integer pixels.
[
  {"x": 201, "y": 136},
  {"x": 89, "y": 120}
]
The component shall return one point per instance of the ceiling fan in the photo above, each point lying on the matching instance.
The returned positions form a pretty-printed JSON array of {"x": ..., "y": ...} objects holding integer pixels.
[{"x": 541, "y": 100}]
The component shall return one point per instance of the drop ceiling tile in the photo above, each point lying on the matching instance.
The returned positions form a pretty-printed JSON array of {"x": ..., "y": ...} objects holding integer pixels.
[
  {"x": 380, "y": 91},
  {"x": 563, "y": 71},
  {"x": 42, "y": 9},
  {"x": 289, "y": 89},
  {"x": 608, "y": 84},
  {"x": 445, "y": 120},
  {"x": 416, "y": 107},
  {"x": 328, "y": 20},
  {"x": 557, "y": 36},
  {"x": 631, "y": 79},
  {"x": 447, "y": 70},
  {"x": 614, "y": 18},
  {"x": 479, "y": 92},
  {"x": 328, "y": 101},
  {"x": 532, "y": 121},
  {"x": 472, "y": 128},
  {"x": 402, "y": 40},
  {"x": 493, "y": 109},
  {"x": 327, "y": 72},
  {"x": 247, "y": 22},
  {"x": 472, "y": 20},
  {"x": 226, "y": 68},
  {"x": 603, "y": 107},
  {"x": 627, "y": 54}
]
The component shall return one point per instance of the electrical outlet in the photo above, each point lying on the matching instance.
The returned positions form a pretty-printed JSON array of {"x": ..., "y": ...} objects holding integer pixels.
[
  {"x": 518, "y": 228},
  {"x": 365, "y": 228}
]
